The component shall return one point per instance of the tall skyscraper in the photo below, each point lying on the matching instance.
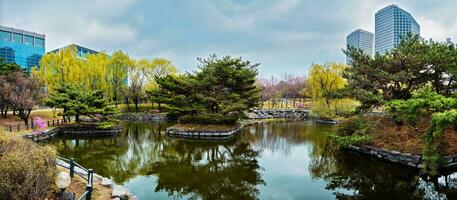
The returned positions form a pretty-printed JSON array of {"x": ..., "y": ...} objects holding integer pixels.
[
  {"x": 391, "y": 25},
  {"x": 361, "y": 39},
  {"x": 22, "y": 47}
]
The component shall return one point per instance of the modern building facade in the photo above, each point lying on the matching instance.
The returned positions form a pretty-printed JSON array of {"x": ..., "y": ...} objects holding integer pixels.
[
  {"x": 392, "y": 24},
  {"x": 81, "y": 51},
  {"x": 22, "y": 47},
  {"x": 361, "y": 39}
]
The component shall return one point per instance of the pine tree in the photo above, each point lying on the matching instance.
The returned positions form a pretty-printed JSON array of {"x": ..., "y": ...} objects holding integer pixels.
[{"x": 218, "y": 93}]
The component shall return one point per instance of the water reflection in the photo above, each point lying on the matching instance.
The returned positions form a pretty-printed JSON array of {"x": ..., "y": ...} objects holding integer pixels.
[
  {"x": 288, "y": 160},
  {"x": 207, "y": 170}
]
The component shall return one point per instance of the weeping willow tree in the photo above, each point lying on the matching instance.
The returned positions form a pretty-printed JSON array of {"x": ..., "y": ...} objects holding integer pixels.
[
  {"x": 326, "y": 78},
  {"x": 62, "y": 66},
  {"x": 323, "y": 81},
  {"x": 94, "y": 72}
]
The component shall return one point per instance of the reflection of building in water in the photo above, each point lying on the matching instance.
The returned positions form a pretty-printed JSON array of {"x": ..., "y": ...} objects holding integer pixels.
[{"x": 22, "y": 47}]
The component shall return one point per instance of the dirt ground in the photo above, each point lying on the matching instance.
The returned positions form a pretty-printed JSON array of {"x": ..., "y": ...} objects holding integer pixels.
[
  {"x": 78, "y": 186},
  {"x": 45, "y": 114},
  {"x": 406, "y": 138}
]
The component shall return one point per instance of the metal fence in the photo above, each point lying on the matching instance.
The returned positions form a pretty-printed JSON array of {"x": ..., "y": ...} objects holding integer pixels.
[{"x": 87, "y": 175}]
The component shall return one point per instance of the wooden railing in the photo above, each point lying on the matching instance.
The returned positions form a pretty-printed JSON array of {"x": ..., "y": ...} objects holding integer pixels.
[
  {"x": 31, "y": 126},
  {"x": 88, "y": 176}
]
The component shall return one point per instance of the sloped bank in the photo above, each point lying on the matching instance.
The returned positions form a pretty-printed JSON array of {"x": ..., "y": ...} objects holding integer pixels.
[{"x": 412, "y": 160}]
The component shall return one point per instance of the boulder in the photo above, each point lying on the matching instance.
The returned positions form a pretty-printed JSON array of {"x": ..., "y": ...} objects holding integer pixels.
[
  {"x": 120, "y": 192},
  {"x": 107, "y": 182}
]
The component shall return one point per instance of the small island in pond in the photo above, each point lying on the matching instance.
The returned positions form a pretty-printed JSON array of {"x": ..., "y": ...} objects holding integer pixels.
[{"x": 210, "y": 102}]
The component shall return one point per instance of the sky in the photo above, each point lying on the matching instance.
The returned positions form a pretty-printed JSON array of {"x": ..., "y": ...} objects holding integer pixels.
[{"x": 284, "y": 36}]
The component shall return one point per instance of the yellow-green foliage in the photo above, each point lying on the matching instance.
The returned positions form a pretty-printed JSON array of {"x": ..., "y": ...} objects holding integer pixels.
[
  {"x": 95, "y": 71},
  {"x": 26, "y": 169},
  {"x": 326, "y": 78},
  {"x": 322, "y": 110},
  {"x": 334, "y": 109},
  {"x": 345, "y": 106}
]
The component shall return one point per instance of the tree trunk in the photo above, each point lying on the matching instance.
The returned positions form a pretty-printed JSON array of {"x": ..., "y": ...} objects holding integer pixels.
[
  {"x": 77, "y": 118},
  {"x": 24, "y": 115},
  {"x": 135, "y": 101},
  {"x": 115, "y": 99},
  {"x": 127, "y": 103},
  {"x": 4, "y": 111}
]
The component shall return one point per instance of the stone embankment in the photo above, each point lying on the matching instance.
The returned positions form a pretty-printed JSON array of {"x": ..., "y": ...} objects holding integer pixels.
[
  {"x": 280, "y": 113},
  {"x": 204, "y": 134},
  {"x": 412, "y": 160},
  {"x": 143, "y": 117},
  {"x": 255, "y": 116},
  {"x": 70, "y": 130}
]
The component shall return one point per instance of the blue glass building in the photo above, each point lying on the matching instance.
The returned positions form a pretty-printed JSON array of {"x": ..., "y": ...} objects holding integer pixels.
[
  {"x": 82, "y": 52},
  {"x": 391, "y": 24},
  {"x": 22, "y": 47},
  {"x": 361, "y": 39}
]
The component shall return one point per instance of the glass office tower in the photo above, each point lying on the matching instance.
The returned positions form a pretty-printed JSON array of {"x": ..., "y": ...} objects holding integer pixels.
[
  {"x": 81, "y": 51},
  {"x": 22, "y": 47},
  {"x": 361, "y": 39},
  {"x": 391, "y": 25}
]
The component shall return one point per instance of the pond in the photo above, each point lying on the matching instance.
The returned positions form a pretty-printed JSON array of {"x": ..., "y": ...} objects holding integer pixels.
[{"x": 277, "y": 160}]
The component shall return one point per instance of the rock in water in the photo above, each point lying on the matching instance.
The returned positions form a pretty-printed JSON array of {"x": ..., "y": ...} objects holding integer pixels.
[{"x": 121, "y": 192}]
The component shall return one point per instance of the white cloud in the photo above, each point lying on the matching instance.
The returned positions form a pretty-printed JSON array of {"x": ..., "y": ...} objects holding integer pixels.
[{"x": 283, "y": 35}]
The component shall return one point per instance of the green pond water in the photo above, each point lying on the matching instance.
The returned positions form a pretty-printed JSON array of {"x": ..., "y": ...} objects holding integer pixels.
[{"x": 280, "y": 160}]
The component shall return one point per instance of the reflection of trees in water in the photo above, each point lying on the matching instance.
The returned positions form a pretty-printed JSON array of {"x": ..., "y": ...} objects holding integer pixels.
[
  {"x": 222, "y": 170},
  {"x": 367, "y": 177},
  {"x": 227, "y": 170},
  {"x": 208, "y": 170},
  {"x": 121, "y": 157},
  {"x": 446, "y": 184},
  {"x": 283, "y": 136}
]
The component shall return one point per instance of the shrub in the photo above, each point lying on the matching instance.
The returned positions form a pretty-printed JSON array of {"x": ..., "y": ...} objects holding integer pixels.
[
  {"x": 345, "y": 107},
  {"x": 345, "y": 141},
  {"x": 209, "y": 119},
  {"x": 335, "y": 108},
  {"x": 354, "y": 126},
  {"x": 26, "y": 169},
  {"x": 352, "y": 131},
  {"x": 321, "y": 110},
  {"x": 107, "y": 124}
]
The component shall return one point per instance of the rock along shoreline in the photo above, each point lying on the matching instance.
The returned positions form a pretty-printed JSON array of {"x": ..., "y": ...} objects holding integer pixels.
[
  {"x": 118, "y": 192},
  {"x": 412, "y": 160}
]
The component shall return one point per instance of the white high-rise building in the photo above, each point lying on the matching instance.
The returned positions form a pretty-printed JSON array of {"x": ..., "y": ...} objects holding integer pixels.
[
  {"x": 361, "y": 39},
  {"x": 391, "y": 24}
]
